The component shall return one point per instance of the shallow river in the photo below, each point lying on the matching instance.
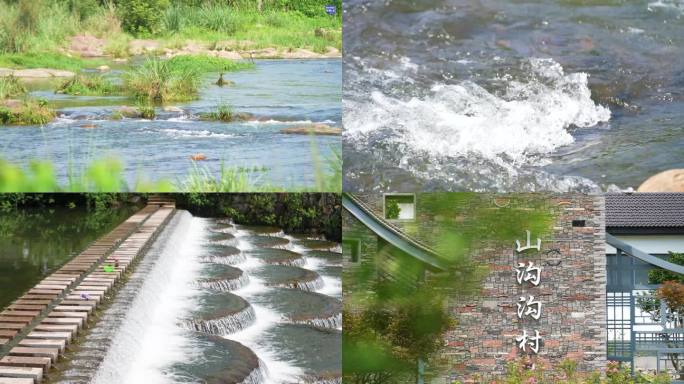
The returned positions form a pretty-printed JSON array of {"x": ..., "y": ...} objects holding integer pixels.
[
  {"x": 512, "y": 95},
  {"x": 279, "y": 93}
]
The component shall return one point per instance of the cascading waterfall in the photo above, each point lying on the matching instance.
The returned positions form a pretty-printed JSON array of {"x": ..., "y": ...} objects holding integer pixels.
[
  {"x": 232, "y": 242},
  {"x": 223, "y": 325},
  {"x": 224, "y": 285},
  {"x": 257, "y": 376},
  {"x": 318, "y": 380},
  {"x": 253, "y": 326},
  {"x": 309, "y": 286},
  {"x": 332, "y": 322},
  {"x": 226, "y": 260},
  {"x": 148, "y": 337},
  {"x": 298, "y": 262}
]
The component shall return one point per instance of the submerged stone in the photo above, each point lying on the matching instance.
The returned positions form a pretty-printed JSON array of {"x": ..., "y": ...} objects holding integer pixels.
[
  {"x": 290, "y": 277},
  {"x": 278, "y": 256},
  {"x": 220, "y": 361},
  {"x": 221, "y": 314},
  {"x": 314, "y": 129}
]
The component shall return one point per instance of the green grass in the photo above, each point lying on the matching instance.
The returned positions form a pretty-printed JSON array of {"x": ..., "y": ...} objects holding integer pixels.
[
  {"x": 106, "y": 175},
  {"x": 249, "y": 29},
  {"x": 34, "y": 33},
  {"x": 10, "y": 87},
  {"x": 83, "y": 85},
  {"x": 223, "y": 113},
  {"x": 147, "y": 111},
  {"x": 47, "y": 60},
  {"x": 29, "y": 112},
  {"x": 200, "y": 179},
  {"x": 330, "y": 179},
  {"x": 176, "y": 79},
  {"x": 204, "y": 63},
  {"x": 158, "y": 81},
  {"x": 35, "y": 26}
]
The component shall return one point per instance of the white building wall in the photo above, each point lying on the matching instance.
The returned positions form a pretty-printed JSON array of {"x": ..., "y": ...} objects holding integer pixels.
[{"x": 653, "y": 244}]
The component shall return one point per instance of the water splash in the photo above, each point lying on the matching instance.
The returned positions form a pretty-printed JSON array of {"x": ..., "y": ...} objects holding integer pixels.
[
  {"x": 531, "y": 117},
  {"x": 279, "y": 371},
  {"x": 223, "y": 325},
  {"x": 257, "y": 376}
]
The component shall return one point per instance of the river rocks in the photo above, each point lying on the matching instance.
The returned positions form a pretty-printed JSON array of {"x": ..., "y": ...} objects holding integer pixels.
[
  {"x": 198, "y": 157},
  {"x": 35, "y": 73},
  {"x": 103, "y": 68},
  {"x": 128, "y": 112},
  {"x": 87, "y": 46},
  {"x": 88, "y": 126},
  {"x": 171, "y": 108},
  {"x": 142, "y": 46},
  {"x": 315, "y": 129},
  {"x": 230, "y": 55},
  {"x": 297, "y": 53},
  {"x": 223, "y": 82},
  {"x": 668, "y": 181}
]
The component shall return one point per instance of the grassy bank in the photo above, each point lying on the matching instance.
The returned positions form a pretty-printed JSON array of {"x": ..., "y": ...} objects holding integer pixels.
[
  {"x": 47, "y": 60},
  {"x": 245, "y": 29},
  {"x": 38, "y": 33}
]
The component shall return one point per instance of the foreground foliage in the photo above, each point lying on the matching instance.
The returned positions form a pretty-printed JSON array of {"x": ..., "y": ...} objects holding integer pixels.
[
  {"x": 396, "y": 313},
  {"x": 107, "y": 175},
  {"x": 524, "y": 371}
]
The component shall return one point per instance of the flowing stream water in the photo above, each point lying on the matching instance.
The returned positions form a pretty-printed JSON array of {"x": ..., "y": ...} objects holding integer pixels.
[
  {"x": 278, "y": 93},
  {"x": 215, "y": 302},
  {"x": 514, "y": 95}
]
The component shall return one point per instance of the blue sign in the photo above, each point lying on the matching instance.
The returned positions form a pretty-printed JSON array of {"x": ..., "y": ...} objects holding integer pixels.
[{"x": 330, "y": 9}]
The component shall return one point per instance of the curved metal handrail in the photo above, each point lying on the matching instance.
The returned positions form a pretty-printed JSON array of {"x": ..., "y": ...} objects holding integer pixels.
[
  {"x": 643, "y": 256},
  {"x": 390, "y": 233}
]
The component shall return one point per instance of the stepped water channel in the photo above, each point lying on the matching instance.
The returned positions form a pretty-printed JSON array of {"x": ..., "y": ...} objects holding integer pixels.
[{"x": 215, "y": 302}]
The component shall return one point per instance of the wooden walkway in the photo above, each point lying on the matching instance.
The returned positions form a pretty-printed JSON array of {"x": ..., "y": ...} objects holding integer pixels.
[{"x": 38, "y": 327}]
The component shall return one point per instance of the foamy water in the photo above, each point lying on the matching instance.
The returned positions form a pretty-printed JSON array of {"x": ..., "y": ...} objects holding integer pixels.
[
  {"x": 149, "y": 338},
  {"x": 509, "y": 96},
  {"x": 529, "y": 119}
]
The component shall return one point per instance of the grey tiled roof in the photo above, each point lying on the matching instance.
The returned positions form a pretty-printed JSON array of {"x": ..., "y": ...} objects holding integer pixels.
[{"x": 645, "y": 210}]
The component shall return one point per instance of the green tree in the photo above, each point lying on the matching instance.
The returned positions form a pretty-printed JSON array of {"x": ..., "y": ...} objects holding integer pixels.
[
  {"x": 672, "y": 293},
  {"x": 141, "y": 16}
]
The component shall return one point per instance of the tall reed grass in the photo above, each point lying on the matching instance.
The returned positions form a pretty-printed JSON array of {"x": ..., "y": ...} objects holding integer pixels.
[{"x": 158, "y": 81}]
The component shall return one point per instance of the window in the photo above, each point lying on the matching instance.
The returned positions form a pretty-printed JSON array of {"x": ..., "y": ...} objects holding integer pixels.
[
  {"x": 400, "y": 206},
  {"x": 351, "y": 250},
  {"x": 579, "y": 223}
]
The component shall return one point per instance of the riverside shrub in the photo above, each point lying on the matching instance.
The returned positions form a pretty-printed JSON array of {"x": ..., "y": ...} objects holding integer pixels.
[{"x": 141, "y": 16}]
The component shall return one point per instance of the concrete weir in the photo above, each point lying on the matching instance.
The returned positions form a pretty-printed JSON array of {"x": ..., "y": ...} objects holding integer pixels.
[{"x": 36, "y": 329}]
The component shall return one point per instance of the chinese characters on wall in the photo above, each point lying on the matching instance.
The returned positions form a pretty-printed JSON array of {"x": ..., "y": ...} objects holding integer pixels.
[{"x": 528, "y": 276}]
